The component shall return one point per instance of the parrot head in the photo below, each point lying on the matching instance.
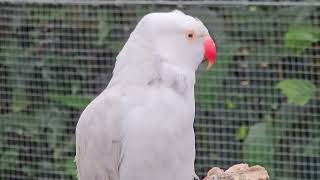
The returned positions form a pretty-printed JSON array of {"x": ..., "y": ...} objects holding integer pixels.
[{"x": 176, "y": 38}]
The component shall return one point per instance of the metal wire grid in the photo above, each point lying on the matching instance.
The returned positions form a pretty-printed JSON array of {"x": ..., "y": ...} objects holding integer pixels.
[{"x": 55, "y": 56}]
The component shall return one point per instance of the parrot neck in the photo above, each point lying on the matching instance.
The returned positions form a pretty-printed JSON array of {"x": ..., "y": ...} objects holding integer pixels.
[
  {"x": 179, "y": 79},
  {"x": 135, "y": 65},
  {"x": 149, "y": 68}
]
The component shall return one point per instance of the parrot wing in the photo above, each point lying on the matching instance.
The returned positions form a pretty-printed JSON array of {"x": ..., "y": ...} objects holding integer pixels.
[{"x": 98, "y": 139}]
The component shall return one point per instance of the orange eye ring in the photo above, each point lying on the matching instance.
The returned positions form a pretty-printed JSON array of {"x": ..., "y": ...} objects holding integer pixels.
[{"x": 190, "y": 35}]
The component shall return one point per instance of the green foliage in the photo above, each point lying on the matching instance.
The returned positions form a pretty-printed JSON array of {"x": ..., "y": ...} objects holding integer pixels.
[
  {"x": 9, "y": 158},
  {"x": 19, "y": 100},
  {"x": 242, "y": 132},
  {"x": 313, "y": 148},
  {"x": 73, "y": 101},
  {"x": 301, "y": 37},
  {"x": 298, "y": 92},
  {"x": 53, "y": 60},
  {"x": 242, "y": 91},
  {"x": 71, "y": 168},
  {"x": 258, "y": 146},
  {"x": 47, "y": 14}
]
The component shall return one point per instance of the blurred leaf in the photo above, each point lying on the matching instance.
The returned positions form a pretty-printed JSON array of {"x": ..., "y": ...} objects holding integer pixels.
[
  {"x": 242, "y": 132},
  {"x": 299, "y": 38},
  {"x": 54, "y": 120},
  {"x": 29, "y": 170},
  {"x": 258, "y": 146},
  {"x": 74, "y": 101},
  {"x": 298, "y": 92},
  {"x": 111, "y": 32},
  {"x": 253, "y": 8},
  {"x": 104, "y": 28},
  {"x": 20, "y": 123},
  {"x": 313, "y": 148},
  {"x": 71, "y": 167},
  {"x": 47, "y": 14},
  {"x": 230, "y": 105},
  {"x": 9, "y": 158},
  {"x": 76, "y": 86},
  {"x": 20, "y": 100}
]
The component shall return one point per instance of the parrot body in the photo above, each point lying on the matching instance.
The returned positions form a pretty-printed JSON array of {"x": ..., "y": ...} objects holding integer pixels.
[
  {"x": 141, "y": 125},
  {"x": 144, "y": 125}
]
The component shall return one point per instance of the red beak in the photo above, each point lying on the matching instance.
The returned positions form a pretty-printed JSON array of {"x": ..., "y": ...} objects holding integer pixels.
[{"x": 209, "y": 51}]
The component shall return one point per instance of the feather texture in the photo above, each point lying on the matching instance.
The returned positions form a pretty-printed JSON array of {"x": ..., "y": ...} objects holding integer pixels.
[{"x": 141, "y": 125}]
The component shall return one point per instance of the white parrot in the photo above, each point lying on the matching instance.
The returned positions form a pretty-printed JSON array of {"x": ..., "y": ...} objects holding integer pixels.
[{"x": 141, "y": 126}]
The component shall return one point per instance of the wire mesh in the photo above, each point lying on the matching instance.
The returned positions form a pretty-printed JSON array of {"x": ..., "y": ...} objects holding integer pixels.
[{"x": 259, "y": 104}]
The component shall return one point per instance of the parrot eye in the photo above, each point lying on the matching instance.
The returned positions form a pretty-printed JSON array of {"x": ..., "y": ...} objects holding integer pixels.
[{"x": 190, "y": 35}]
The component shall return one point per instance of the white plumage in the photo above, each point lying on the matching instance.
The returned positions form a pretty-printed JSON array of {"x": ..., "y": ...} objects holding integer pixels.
[{"x": 141, "y": 126}]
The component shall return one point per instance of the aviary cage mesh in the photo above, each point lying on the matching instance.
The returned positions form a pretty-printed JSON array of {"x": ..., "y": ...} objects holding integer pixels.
[{"x": 259, "y": 104}]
